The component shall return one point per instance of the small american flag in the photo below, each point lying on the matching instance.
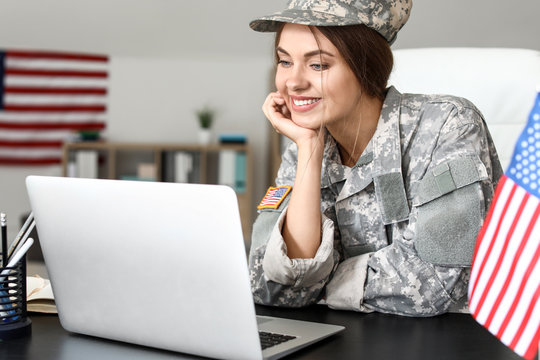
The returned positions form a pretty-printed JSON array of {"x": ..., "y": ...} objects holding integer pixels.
[
  {"x": 504, "y": 287},
  {"x": 274, "y": 196},
  {"x": 44, "y": 98}
]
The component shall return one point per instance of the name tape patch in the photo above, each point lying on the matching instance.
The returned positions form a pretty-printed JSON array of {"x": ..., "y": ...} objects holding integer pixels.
[{"x": 274, "y": 196}]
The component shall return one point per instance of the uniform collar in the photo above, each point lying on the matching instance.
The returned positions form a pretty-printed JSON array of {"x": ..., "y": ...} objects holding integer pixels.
[
  {"x": 387, "y": 176},
  {"x": 386, "y": 140},
  {"x": 333, "y": 170}
]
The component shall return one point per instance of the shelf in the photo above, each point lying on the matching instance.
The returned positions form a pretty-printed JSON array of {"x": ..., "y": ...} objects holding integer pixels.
[{"x": 118, "y": 160}]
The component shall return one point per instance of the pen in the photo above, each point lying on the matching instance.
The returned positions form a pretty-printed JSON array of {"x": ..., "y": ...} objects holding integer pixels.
[
  {"x": 21, "y": 241},
  {"x": 22, "y": 235},
  {"x": 3, "y": 224},
  {"x": 16, "y": 257}
]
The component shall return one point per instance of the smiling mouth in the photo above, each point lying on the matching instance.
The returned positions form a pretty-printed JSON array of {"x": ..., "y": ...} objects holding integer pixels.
[{"x": 305, "y": 102}]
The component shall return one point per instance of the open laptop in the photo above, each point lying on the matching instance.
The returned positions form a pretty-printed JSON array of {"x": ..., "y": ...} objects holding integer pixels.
[{"x": 155, "y": 264}]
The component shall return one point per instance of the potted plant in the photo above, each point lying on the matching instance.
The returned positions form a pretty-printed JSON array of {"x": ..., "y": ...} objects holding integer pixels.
[{"x": 206, "y": 118}]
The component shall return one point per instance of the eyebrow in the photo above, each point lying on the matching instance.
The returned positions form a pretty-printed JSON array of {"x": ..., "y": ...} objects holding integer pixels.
[{"x": 308, "y": 54}]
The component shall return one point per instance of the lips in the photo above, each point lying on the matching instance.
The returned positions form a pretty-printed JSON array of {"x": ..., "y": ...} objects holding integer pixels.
[{"x": 303, "y": 103}]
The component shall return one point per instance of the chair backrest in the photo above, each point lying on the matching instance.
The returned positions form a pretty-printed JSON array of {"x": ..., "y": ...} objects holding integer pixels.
[{"x": 501, "y": 82}]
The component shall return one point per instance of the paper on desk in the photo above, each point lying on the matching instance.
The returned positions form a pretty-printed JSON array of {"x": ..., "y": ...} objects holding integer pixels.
[{"x": 39, "y": 295}]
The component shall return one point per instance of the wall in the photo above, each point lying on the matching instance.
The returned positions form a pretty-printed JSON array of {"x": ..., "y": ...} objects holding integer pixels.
[
  {"x": 155, "y": 101},
  {"x": 153, "y": 98},
  {"x": 477, "y": 23}
]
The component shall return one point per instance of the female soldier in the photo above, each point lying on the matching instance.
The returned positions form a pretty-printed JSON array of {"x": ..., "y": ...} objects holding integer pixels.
[{"x": 380, "y": 196}]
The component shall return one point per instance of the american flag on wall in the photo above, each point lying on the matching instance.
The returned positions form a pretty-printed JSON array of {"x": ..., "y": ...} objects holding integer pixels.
[
  {"x": 46, "y": 97},
  {"x": 504, "y": 289}
]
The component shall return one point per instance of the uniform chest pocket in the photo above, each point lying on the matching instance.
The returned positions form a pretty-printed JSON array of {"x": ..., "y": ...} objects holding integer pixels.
[
  {"x": 450, "y": 207},
  {"x": 360, "y": 225}
]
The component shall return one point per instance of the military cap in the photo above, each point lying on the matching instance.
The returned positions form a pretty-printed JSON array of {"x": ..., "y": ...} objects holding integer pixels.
[{"x": 386, "y": 17}]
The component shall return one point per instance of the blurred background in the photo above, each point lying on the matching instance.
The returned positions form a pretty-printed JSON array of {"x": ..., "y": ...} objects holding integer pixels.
[{"x": 167, "y": 58}]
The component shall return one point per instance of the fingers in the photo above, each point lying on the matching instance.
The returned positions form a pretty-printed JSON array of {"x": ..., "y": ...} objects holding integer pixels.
[
  {"x": 280, "y": 100},
  {"x": 275, "y": 108},
  {"x": 276, "y": 111},
  {"x": 285, "y": 111},
  {"x": 279, "y": 115}
]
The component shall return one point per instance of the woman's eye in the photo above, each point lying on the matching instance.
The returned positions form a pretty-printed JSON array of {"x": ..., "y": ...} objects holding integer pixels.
[
  {"x": 319, "y": 67},
  {"x": 284, "y": 63}
]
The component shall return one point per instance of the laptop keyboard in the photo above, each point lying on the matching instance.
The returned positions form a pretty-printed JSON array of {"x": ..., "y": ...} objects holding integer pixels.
[{"x": 271, "y": 339}]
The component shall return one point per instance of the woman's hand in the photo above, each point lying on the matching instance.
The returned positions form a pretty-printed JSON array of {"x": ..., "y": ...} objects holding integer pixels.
[{"x": 279, "y": 116}]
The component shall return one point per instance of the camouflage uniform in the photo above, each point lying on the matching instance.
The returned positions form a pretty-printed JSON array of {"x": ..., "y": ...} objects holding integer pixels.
[{"x": 399, "y": 227}]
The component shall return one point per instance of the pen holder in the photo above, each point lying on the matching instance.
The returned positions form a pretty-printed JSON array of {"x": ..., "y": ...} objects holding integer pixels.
[{"x": 14, "y": 322}]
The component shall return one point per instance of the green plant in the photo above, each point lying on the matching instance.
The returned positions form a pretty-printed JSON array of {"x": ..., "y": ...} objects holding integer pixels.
[{"x": 206, "y": 117}]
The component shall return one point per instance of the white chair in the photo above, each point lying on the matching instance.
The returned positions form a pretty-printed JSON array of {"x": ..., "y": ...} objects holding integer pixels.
[{"x": 501, "y": 82}]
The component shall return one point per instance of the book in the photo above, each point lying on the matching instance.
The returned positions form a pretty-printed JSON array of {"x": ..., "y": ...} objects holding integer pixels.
[
  {"x": 87, "y": 163},
  {"x": 135, "y": 178},
  {"x": 232, "y": 138},
  {"x": 39, "y": 295},
  {"x": 183, "y": 165},
  {"x": 227, "y": 167},
  {"x": 71, "y": 170},
  {"x": 240, "y": 172},
  {"x": 146, "y": 171},
  {"x": 232, "y": 169},
  {"x": 167, "y": 168}
]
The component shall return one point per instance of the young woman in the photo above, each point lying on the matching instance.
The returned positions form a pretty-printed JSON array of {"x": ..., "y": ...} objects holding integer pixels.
[{"x": 380, "y": 196}]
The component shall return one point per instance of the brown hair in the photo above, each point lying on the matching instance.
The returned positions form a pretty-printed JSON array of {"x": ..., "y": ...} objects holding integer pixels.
[{"x": 366, "y": 52}]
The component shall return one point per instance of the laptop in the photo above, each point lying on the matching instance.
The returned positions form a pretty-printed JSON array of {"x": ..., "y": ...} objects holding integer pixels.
[{"x": 156, "y": 264}]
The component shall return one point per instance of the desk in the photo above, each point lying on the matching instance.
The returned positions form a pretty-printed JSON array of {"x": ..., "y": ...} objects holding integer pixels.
[{"x": 368, "y": 336}]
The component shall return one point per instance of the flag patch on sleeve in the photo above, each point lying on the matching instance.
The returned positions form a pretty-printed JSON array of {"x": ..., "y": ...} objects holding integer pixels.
[{"x": 274, "y": 196}]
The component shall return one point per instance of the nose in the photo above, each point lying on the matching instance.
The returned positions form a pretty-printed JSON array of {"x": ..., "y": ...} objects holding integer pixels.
[{"x": 297, "y": 80}]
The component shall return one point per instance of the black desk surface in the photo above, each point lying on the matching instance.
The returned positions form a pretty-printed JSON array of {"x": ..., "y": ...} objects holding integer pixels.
[{"x": 367, "y": 336}]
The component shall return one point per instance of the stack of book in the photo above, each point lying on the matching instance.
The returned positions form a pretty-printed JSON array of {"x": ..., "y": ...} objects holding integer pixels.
[
  {"x": 84, "y": 164},
  {"x": 181, "y": 167},
  {"x": 232, "y": 169}
]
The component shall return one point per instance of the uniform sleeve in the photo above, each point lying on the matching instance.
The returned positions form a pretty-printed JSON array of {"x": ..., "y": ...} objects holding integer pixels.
[
  {"x": 424, "y": 272},
  {"x": 276, "y": 279}
]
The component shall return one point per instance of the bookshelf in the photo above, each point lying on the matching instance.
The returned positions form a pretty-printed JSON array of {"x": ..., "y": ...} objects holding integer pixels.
[{"x": 162, "y": 162}]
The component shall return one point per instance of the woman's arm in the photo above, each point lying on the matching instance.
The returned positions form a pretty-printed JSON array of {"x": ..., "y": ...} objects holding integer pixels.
[
  {"x": 277, "y": 279},
  {"x": 302, "y": 225},
  {"x": 290, "y": 264}
]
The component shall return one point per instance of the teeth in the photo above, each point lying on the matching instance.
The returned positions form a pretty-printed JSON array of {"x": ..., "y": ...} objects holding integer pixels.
[{"x": 304, "y": 102}]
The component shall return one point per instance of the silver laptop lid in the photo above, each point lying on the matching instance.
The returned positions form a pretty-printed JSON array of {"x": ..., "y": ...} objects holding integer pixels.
[{"x": 148, "y": 263}]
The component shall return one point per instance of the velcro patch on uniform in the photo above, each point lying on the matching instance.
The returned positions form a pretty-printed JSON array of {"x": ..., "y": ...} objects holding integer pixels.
[{"x": 274, "y": 196}]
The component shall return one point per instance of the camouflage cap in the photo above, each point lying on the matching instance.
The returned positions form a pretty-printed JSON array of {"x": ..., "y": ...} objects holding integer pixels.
[{"x": 386, "y": 17}]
